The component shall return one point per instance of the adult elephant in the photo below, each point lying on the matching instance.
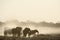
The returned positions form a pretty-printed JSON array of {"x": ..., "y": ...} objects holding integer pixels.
[
  {"x": 16, "y": 31},
  {"x": 33, "y": 32},
  {"x": 6, "y": 32},
  {"x": 19, "y": 29},
  {"x": 26, "y": 31}
]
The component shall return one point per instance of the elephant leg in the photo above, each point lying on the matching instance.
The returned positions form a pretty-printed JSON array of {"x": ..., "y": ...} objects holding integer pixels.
[
  {"x": 14, "y": 35},
  {"x": 5, "y": 33},
  {"x": 18, "y": 34},
  {"x": 29, "y": 35},
  {"x": 24, "y": 35}
]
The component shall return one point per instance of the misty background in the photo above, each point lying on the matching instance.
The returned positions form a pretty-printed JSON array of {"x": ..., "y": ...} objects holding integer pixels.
[
  {"x": 43, "y": 27},
  {"x": 43, "y": 15}
]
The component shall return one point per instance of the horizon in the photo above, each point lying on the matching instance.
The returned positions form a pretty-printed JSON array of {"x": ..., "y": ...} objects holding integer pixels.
[{"x": 28, "y": 21}]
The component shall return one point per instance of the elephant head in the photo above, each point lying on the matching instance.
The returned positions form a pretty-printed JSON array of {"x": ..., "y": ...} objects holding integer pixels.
[{"x": 32, "y": 32}]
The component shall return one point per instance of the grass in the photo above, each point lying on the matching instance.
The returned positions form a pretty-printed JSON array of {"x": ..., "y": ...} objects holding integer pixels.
[{"x": 38, "y": 37}]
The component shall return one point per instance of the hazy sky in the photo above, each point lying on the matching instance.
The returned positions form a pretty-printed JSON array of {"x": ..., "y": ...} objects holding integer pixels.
[{"x": 34, "y": 10}]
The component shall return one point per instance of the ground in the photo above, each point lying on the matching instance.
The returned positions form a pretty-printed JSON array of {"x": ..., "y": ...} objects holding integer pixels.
[{"x": 38, "y": 37}]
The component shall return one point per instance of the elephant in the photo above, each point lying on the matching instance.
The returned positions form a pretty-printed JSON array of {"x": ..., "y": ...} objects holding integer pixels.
[
  {"x": 6, "y": 32},
  {"x": 32, "y": 32},
  {"x": 18, "y": 30},
  {"x": 13, "y": 31},
  {"x": 26, "y": 31}
]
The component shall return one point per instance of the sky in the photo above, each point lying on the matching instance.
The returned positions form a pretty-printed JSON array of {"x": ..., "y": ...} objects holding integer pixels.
[{"x": 34, "y": 10}]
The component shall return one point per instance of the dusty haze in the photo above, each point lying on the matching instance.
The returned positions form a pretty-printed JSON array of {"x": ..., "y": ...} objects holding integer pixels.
[{"x": 33, "y": 10}]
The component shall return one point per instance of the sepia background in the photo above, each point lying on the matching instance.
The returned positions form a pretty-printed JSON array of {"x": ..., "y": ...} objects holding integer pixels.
[{"x": 30, "y": 13}]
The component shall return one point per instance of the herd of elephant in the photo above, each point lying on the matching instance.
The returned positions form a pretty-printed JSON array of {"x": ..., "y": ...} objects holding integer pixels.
[{"x": 17, "y": 32}]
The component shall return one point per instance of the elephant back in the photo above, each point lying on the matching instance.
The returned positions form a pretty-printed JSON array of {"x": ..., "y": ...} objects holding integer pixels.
[{"x": 26, "y": 30}]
